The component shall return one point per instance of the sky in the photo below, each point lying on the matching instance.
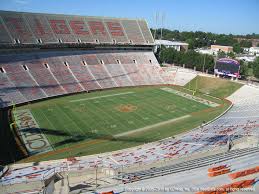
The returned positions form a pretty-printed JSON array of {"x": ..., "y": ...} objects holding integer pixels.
[{"x": 217, "y": 16}]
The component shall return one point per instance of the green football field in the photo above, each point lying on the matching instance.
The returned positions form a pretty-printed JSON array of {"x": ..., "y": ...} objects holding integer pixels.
[{"x": 102, "y": 121}]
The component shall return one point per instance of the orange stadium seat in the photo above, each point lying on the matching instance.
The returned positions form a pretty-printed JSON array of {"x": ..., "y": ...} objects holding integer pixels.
[
  {"x": 219, "y": 172},
  {"x": 217, "y": 168},
  {"x": 244, "y": 173}
]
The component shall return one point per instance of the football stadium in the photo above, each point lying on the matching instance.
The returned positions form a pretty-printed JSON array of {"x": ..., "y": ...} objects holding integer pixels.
[{"x": 87, "y": 108}]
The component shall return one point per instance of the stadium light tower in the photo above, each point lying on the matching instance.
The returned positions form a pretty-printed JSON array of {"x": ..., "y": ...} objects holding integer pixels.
[
  {"x": 162, "y": 24},
  {"x": 156, "y": 19}
]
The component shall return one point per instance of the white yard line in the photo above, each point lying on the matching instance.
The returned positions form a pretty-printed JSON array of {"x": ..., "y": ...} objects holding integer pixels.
[
  {"x": 151, "y": 126},
  {"x": 83, "y": 99}
]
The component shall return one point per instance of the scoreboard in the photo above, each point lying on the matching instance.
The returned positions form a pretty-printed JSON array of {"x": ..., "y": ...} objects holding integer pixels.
[{"x": 227, "y": 67}]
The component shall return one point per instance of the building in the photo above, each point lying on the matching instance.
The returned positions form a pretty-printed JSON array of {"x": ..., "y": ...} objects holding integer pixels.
[
  {"x": 254, "y": 50},
  {"x": 214, "y": 49},
  {"x": 217, "y": 48},
  {"x": 246, "y": 50},
  {"x": 247, "y": 58},
  {"x": 179, "y": 46},
  {"x": 206, "y": 51}
]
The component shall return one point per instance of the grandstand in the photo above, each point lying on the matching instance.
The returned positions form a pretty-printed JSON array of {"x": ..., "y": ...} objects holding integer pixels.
[
  {"x": 47, "y": 56},
  {"x": 30, "y": 28}
]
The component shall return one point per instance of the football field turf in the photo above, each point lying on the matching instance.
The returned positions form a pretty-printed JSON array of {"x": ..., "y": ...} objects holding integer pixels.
[{"x": 117, "y": 118}]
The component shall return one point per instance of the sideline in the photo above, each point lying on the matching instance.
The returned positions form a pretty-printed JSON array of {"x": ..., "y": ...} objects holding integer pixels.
[
  {"x": 190, "y": 97},
  {"x": 83, "y": 99}
]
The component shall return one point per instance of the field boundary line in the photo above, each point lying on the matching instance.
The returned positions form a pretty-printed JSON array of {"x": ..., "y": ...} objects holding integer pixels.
[
  {"x": 151, "y": 126},
  {"x": 212, "y": 120},
  {"x": 190, "y": 97},
  {"x": 97, "y": 97}
]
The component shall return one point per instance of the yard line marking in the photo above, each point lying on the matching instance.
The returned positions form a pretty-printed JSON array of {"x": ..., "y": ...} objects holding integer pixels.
[
  {"x": 151, "y": 126},
  {"x": 83, "y": 99},
  {"x": 73, "y": 122}
]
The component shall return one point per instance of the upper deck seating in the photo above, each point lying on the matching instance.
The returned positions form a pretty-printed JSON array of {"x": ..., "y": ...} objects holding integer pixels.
[
  {"x": 36, "y": 28},
  {"x": 134, "y": 33}
]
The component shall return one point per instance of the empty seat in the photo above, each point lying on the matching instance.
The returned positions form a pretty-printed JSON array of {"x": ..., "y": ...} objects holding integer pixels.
[
  {"x": 23, "y": 81},
  {"x": 32, "y": 76},
  {"x": 63, "y": 75},
  {"x": 41, "y": 73}
]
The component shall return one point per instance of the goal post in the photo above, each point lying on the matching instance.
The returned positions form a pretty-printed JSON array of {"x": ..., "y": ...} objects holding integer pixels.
[{"x": 195, "y": 89}]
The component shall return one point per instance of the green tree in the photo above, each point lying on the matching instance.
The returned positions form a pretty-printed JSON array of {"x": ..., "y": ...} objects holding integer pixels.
[
  {"x": 221, "y": 54},
  {"x": 237, "y": 48},
  {"x": 191, "y": 43},
  {"x": 244, "y": 70},
  {"x": 202, "y": 39},
  {"x": 226, "y": 40},
  {"x": 256, "y": 67},
  {"x": 190, "y": 58},
  {"x": 257, "y": 45},
  {"x": 256, "y": 71},
  {"x": 245, "y": 43},
  {"x": 231, "y": 55}
]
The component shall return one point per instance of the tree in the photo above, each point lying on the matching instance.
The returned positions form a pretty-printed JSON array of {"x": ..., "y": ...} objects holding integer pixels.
[
  {"x": 256, "y": 71},
  {"x": 256, "y": 67},
  {"x": 244, "y": 70},
  {"x": 245, "y": 43},
  {"x": 191, "y": 43},
  {"x": 257, "y": 45},
  {"x": 226, "y": 40},
  {"x": 205, "y": 39},
  {"x": 237, "y": 48},
  {"x": 231, "y": 55},
  {"x": 221, "y": 54},
  {"x": 190, "y": 58}
]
